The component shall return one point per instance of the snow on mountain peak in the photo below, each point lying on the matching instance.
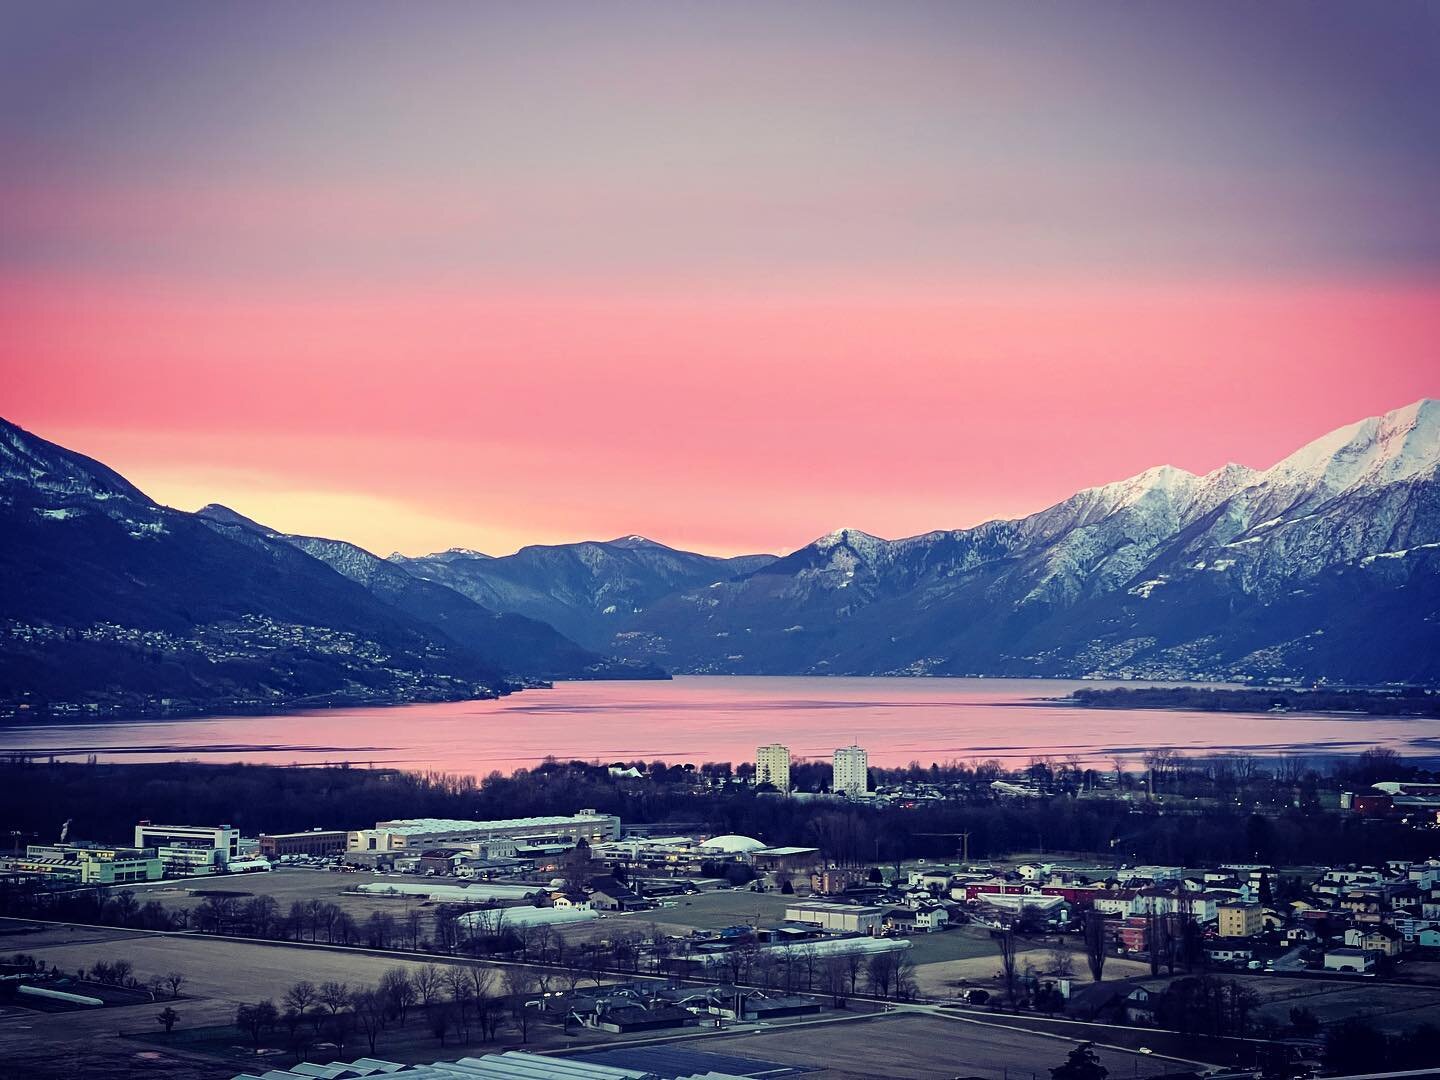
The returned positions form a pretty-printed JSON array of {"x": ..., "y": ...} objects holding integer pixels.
[
  {"x": 1398, "y": 445},
  {"x": 855, "y": 538},
  {"x": 634, "y": 540}
]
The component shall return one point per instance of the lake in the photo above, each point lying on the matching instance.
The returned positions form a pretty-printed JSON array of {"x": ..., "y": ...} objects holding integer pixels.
[{"x": 719, "y": 718}]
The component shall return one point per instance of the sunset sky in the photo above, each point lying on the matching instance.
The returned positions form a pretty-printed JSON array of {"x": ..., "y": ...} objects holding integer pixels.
[{"x": 728, "y": 275}]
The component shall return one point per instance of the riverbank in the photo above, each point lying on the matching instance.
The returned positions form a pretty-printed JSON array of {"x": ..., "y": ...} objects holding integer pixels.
[{"x": 1408, "y": 703}]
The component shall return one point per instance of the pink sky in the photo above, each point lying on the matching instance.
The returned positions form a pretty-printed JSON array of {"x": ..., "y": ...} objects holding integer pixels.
[
  {"x": 727, "y": 275},
  {"x": 720, "y": 418}
]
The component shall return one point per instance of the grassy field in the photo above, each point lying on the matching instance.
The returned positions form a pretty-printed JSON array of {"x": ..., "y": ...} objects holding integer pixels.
[
  {"x": 287, "y": 885},
  {"x": 967, "y": 956},
  {"x": 910, "y": 1046},
  {"x": 226, "y": 969},
  {"x": 704, "y": 911},
  {"x": 1391, "y": 1006}
]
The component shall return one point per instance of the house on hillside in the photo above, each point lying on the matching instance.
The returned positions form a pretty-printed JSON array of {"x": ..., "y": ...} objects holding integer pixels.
[{"x": 1376, "y": 938}]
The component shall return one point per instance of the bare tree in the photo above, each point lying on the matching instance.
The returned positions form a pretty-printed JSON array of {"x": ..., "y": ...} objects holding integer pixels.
[
  {"x": 397, "y": 991},
  {"x": 542, "y": 940},
  {"x": 854, "y": 965},
  {"x": 1060, "y": 962},
  {"x": 427, "y": 983},
  {"x": 1005, "y": 942},
  {"x": 335, "y": 996},
  {"x": 1096, "y": 934},
  {"x": 371, "y": 1012},
  {"x": 834, "y": 972},
  {"x": 482, "y": 990},
  {"x": 301, "y": 997},
  {"x": 457, "y": 985},
  {"x": 1291, "y": 768},
  {"x": 173, "y": 981},
  {"x": 256, "y": 1019},
  {"x": 519, "y": 984},
  {"x": 906, "y": 984},
  {"x": 880, "y": 974}
]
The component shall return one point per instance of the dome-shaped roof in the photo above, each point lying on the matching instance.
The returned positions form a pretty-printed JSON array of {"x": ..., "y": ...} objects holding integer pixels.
[{"x": 732, "y": 844}]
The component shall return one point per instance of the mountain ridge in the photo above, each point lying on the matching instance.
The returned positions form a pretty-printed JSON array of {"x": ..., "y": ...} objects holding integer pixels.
[
  {"x": 116, "y": 605},
  {"x": 1068, "y": 590},
  {"x": 1324, "y": 566}
]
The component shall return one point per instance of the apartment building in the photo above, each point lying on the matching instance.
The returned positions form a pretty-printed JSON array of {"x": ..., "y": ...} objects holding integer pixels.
[
  {"x": 851, "y": 772},
  {"x": 772, "y": 766}
]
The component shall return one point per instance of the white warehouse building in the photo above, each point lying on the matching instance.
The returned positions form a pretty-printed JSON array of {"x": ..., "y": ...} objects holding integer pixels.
[
  {"x": 838, "y": 918},
  {"x": 417, "y": 834}
]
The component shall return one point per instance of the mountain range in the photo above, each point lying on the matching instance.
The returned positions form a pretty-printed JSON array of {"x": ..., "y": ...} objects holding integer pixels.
[
  {"x": 115, "y": 603},
  {"x": 1325, "y": 566}
]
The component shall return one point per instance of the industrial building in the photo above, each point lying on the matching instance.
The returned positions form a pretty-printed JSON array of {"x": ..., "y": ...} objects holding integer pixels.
[
  {"x": 189, "y": 850},
  {"x": 838, "y": 918},
  {"x": 494, "y": 920},
  {"x": 85, "y": 864},
  {"x": 783, "y": 860},
  {"x": 315, "y": 843},
  {"x": 510, "y": 1065},
  {"x": 851, "y": 772},
  {"x": 476, "y": 893},
  {"x": 420, "y": 833},
  {"x": 772, "y": 766}
]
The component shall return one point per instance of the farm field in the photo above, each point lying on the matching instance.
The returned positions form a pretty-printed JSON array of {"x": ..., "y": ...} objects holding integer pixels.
[{"x": 904, "y": 1045}]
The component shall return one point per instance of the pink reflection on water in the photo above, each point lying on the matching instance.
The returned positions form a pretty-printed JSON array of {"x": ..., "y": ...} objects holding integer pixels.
[{"x": 700, "y": 719}]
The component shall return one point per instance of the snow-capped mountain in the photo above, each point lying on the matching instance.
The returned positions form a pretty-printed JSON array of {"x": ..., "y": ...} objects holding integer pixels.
[
  {"x": 1323, "y": 565},
  {"x": 114, "y": 603}
]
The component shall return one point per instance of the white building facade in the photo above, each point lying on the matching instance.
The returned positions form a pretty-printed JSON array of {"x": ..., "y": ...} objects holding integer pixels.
[
  {"x": 851, "y": 771},
  {"x": 416, "y": 834}
]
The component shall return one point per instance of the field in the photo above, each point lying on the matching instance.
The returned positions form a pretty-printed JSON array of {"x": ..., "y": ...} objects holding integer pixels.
[
  {"x": 1395, "y": 1007},
  {"x": 966, "y": 956},
  {"x": 286, "y": 885},
  {"x": 914, "y": 1046},
  {"x": 227, "y": 969}
]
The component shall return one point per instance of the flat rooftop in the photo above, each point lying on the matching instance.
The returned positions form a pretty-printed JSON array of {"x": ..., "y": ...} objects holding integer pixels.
[
  {"x": 411, "y": 826},
  {"x": 847, "y": 909}
]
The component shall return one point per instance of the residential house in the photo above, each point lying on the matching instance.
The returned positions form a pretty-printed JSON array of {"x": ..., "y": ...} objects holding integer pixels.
[
  {"x": 924, "y": 919},
  {"x": 1141, "y": 1004},
  {"x": 1379, "y": 939},
  {"x": 608, "y": 894}
]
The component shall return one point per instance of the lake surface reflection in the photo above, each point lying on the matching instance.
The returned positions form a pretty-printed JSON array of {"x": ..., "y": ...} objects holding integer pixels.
[{"x": 720, "y": 718}]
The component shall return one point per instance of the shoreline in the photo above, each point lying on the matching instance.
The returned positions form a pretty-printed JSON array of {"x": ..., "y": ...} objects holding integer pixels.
[{"x": 1413, "y": 703}]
